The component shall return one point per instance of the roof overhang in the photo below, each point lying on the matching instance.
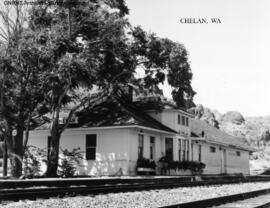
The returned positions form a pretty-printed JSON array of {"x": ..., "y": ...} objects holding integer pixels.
[
  {"x": 203, "y": 139},
  {"x": 156, "y": 130},
  {"x": 197, "y": 138},
  {"x": 114, "y": 127},
  {"x": 173, "y": 110}
]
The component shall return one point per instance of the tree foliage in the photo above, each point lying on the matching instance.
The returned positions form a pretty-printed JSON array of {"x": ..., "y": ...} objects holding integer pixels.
[
  {"x": 83, "y": 43},
  {"x": 69, "y": 161},
  {"x": 21, "y": 64},
  {"x": 73, "y": 56},
  {"x": 161, "y": 57}
]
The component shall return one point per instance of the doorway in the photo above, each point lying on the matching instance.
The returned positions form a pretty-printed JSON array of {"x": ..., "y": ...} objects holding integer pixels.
[
  {"x": 223, "y": 161},
  {"x": 169, "y": 148}
]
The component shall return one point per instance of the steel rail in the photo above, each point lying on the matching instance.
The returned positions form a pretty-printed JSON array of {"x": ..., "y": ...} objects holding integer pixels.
[
  {"x": 38, "y": 189},
  {"x": 94, "y": 181},
  {"x": 46, "y": 192},
  {"x": 221, "y": 200}
]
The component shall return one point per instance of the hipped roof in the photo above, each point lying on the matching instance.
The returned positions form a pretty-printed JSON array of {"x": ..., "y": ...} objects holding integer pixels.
[
  {"x": 116, "y": 113},
  {"x": 212, "y": 134}
]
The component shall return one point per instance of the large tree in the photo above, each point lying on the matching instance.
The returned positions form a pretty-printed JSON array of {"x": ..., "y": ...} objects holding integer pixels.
[
  {"x": 72, "y": 50},
  {"x": 92, "y": 45},
  {"x": 180, "y": 76},
  {"x": 79, "y": 39},
  {"x": 161, "y": 58},
  {"x": 22, "y": 63}
]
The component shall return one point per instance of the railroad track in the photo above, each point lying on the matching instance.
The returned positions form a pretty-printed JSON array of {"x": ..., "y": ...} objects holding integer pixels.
[
  {"x": 46, "y": 192},
  {"x": 258, "y": 199},
  {"x": 253, "y": 199},
  {"x": 34, "y": 189}
]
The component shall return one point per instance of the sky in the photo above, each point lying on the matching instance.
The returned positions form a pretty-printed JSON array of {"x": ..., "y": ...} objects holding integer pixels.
[{"x": 230, "y": 61}]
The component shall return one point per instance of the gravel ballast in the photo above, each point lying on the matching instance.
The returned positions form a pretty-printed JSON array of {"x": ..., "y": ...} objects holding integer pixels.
[{"x": 142, "y": 199}]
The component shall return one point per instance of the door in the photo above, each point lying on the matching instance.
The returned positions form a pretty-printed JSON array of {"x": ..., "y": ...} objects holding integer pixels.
[
  {"x": 169, "y": 148},
  {"x": 223, "y": 161},
  {"x": 200, "y": 153},
  {"x": 152, "y": 148},
  {"x": 140, "y": 145}
]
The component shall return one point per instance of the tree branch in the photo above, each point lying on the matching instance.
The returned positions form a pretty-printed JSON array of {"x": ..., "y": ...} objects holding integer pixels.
[{"x": 97, "y": 96}]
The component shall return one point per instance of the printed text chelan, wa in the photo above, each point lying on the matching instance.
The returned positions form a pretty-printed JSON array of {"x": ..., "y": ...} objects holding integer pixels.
[{"x": 200, "y": 20}]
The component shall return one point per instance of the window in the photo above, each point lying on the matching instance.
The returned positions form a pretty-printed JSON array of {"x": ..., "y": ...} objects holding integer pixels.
[
  {"x": 200, "y": 153},
  {"x": 140, "y": 146},
  {"x": 238, "y": 153},
  {"x": 169, "y": 148},
  {"x": 183, "y": 120},
  {"x": 91, "y": 145},
  {"x": 49, "y": 144},
  {"x": 187, "y": 148},
  {"x": 186, "y": 121},
  {"x": 179, "y": 119},
  {"x": 152, "y": 147},
  {"x": 202, "y": 133},
  {"x": 184, "y": 150},
  {"x": 179, "y": 149},
  {"x": 212, "y": 149},
  {"x": 192, "y": 151}
]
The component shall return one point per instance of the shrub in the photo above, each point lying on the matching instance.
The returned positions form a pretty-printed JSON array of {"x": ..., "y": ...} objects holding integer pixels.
[
  {"x": 164, "y": 159},
  {"x": 68, "y": 162},
  {"x": 193, "y": 166},
  {"x": 196, "y": 167},
  {"x": 146, "y": 163},
  {"x": 32, "y": 161},
  {"x": 173, "y": 165}
]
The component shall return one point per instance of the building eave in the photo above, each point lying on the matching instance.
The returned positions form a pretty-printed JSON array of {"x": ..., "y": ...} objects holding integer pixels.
[
  {"x": 173, "y": 110},
  {"x": 111, "y": 127},
  {"x": 156, "y": 130},
  {"x": 223, "y": 144},
  {"x": 197, "y": 138}
]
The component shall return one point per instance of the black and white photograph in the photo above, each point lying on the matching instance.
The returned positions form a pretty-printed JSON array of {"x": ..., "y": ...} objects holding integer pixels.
[{"x": 134, "y": 103}]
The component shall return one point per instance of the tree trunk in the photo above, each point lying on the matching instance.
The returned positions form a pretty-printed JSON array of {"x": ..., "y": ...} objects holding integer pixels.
[
  {"x": 16, "y": 153},
  {"x": 53, "y": 153},
  {"x": 5, "y": 159}
]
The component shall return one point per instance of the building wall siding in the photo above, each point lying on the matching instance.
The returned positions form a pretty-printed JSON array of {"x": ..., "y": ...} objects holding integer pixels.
[
  {"x": 112, "y": 151},
  {"x": 170, "y": 119},
  {"x": 146, "y": 151},
  {"x": 117, "y": 149},
  {"x": 213, "y": 160},
  {"x": 238, "y": 164}
]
